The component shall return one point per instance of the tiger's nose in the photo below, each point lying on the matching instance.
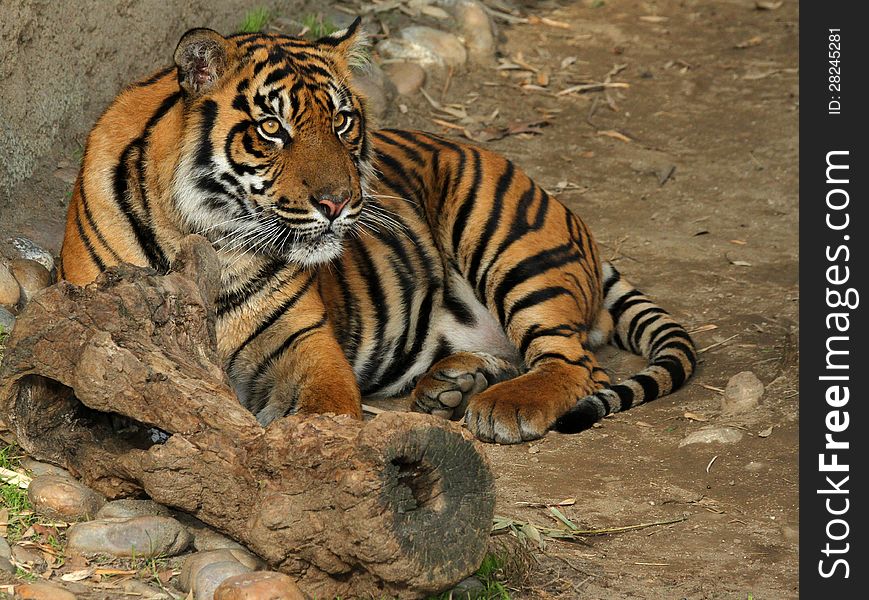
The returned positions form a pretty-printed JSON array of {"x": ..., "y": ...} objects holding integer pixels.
[{"x": 330, "y": 205}]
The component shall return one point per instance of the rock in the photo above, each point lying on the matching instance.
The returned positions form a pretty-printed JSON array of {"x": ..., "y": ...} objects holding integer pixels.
[
  {"x": 742, "y": 394},
  {"x": 9, "y": 290},
  {"x": 37, "y": 468},
  {"x": 5, "y": 550},
  {"x": 259, "y": 585},
  {"x": 30, "y": 250},
  {"x": 205, "y": 538},
  {"x": 469, "y": 589},
  {"x": 199, "y": 560},
  {"x": 7, "y": 567},
  {"x": 476, "y": 28},
  {"x": 425, "y": 46},
  {"x": 7, "y": 321},
  {"x": 63, "y": 498},
  {"x": 27, "y": 556},
  {"x": 42, "y": 591},
  {"x": 407, "y": 77},
  {"x": 377, "y": 89},
  {"x": 708, "y": 435},
  {"x": 143, "y": 591},
  {"x": 212, "y": 575},
  {"x": 129, "y": 508},
  {"x": 143, "y": 537},
  {"x": 755, "y": 467},
  {"x": 31, "y": 276}
]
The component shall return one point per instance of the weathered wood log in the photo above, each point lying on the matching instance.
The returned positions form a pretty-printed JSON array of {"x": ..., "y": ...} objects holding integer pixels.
[{"x": 401, "y": 505}]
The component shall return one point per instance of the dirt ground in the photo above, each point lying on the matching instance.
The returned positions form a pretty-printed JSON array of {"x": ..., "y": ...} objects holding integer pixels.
[{"x": 688, "y": 177}]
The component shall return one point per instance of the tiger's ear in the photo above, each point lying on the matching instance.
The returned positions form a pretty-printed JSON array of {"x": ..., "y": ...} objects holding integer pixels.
[
  {"x": 202, "y": 57},
  {"x": 351, "y": 44}
]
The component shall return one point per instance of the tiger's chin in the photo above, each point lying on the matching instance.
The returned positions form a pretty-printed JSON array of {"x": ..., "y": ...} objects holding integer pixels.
[{"x": 314, "y": 252}]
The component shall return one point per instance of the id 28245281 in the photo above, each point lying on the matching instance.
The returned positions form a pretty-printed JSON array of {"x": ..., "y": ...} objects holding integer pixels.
[{"x": 834, "y": 78}]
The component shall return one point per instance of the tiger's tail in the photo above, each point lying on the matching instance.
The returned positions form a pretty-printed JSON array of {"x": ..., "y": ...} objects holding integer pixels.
[{"x": 644, "y": 328}]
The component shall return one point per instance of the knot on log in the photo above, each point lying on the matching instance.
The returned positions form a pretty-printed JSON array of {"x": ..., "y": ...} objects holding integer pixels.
[{"x": 401, "y": 505}]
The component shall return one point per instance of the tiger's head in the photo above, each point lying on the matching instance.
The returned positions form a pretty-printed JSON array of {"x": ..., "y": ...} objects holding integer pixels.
[{"x": 274, "y": 156}]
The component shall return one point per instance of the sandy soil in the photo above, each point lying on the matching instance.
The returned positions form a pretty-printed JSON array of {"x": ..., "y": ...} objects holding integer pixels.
[{"x": 688, "y": 177}]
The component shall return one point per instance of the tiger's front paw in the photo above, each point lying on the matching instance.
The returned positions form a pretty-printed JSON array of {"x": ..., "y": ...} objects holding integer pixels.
[
  {"x": 446, "y": 392},
  {"x": 494, "y": 417},
  {"x": 451, "y": 383},
  {"x": 526, "y": 407}
]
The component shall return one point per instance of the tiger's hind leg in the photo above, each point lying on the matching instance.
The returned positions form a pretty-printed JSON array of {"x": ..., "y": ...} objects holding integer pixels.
[
  {"x": 549, "y": 304},
  {"x": 450, "y": 384}
]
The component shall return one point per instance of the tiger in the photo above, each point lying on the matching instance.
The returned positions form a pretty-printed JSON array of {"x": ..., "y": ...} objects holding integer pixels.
[{"x": 359, "y": 262}]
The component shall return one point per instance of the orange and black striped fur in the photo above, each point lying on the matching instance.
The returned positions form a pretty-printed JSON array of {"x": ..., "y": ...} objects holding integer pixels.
[{"x": 361, "y": 262}]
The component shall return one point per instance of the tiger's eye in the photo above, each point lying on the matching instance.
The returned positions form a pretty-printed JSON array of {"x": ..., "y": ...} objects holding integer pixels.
[
  {"x": 270, "y": 126},
  {"x": 339, "y": 120}
]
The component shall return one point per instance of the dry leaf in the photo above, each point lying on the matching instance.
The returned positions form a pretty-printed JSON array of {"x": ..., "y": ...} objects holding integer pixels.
[
  {"x": 567, "y": 61},
  {"x": 740, "y": 263},
  {"x": 765, "y": 433},
  {"x": 532, "y": 533},
  {"x": 654, "y": 19},
  {"x": 738, "y": 242},
  {"x": 615, "y": 135},
  {"x": 767, "y": 5},
  {"x": 434, "y": 11},
  {"x": 750, "y": 43},
  {"x": 702, "y": 328},
  {"x": 490, "y": 134},
  {"x": 535, "y": 20},
  {"x": 15, "y": 478},
  {"x": 543, "y": 78},
  {"x": 696, "y": 417},
  {"x": 643, "y": 424},
  {"x": 80, "y": 575}
]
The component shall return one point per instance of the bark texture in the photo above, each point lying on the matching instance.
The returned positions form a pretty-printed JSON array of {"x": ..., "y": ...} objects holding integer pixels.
[{"x": 400, "y": 505}]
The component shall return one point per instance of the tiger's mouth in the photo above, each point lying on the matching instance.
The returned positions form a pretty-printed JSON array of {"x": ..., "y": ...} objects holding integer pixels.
[{"x": 310, "y": 246}]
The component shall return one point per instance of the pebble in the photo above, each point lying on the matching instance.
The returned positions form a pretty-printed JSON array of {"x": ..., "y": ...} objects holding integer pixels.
[
  {"x": 708, "y": 435},
  {"x": 42, "y": 591},
  {"x": 143, "y": 591},
  {"x": 5, "y": 550},
  {"x": 31, "y": 276},
  {"x": 259, "y": 585},
  {"x": 377, "y": 89},
  {"x": 9, "y": 290},
  {"x": 204, "y": 537},
  {"x": 407, "y": 77},
  {"x": 143, "y": 537},
  {"x": 37, "y": 468},
  {"x": 742, "y": 394},
  {"x": 469, "y": 589},
  {"x": 129, "y": 508},
  {"x": 212, "y": 575},
  {"x": 476, "y": 29},
  {"x": 30, "y": 250},
  {"x": 197, "y": 561},
  {"x": 207, "y": 539},
  {"x": 7, "y": 567},
  {"x": 426, "y": 46},
  {"x": 7, "y": 320},
  {"x": 63, "y": 498},
  {"x": 27, "y": 556}
]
